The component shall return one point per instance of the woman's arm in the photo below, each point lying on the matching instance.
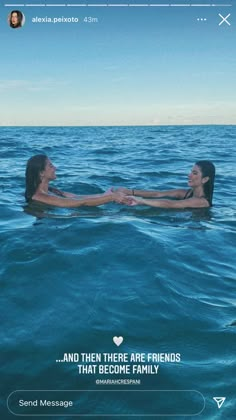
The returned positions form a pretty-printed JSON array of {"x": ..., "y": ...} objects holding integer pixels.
[
  {"x": 71, "y": 195},
  {"x": 170, "y": 204},
  {"x": 157, "y": 194},
  {"x": 82, "y": 201}
]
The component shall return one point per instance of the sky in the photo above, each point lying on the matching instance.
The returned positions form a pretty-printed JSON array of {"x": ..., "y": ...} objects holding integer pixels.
[{"x": 130, "y": 65}]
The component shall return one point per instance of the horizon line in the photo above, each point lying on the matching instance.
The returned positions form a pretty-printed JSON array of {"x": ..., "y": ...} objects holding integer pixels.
[{"x": 120, "y": 125}]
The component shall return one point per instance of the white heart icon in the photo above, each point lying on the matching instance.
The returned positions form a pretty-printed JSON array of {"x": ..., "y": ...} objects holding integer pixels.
[{"x": 118, "y": 340}]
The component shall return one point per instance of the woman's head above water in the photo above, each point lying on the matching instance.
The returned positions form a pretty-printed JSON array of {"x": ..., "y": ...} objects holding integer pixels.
[
  {"x": 39, "y": 169},
  {"x": 203, "y": 174}
]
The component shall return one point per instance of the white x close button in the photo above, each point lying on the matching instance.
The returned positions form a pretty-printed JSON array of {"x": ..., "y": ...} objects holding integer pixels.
[{"x": 224, "y": 19}]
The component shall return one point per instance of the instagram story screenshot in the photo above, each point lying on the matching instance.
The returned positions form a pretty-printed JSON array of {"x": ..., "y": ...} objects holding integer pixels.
[{"x": 118, "y": 211}]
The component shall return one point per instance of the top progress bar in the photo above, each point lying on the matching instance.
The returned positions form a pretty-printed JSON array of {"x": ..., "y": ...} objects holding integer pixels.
[{"x": 117, "y": 5}]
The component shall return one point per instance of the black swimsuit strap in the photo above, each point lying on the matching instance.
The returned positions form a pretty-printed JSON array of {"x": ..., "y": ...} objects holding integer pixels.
[
  {"x": 188, "y": 194},
  {"x": 55, "y": 191}
]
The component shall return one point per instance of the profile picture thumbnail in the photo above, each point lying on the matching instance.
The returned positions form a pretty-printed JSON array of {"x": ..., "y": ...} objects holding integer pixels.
[{"x": 16, "y": 19}]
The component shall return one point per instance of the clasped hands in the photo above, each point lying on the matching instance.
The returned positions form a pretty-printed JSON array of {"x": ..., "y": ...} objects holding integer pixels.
[{"x": 123, "y": 196}]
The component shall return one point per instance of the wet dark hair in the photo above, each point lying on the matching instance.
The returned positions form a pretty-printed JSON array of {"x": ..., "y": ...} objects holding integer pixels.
[
  {"x": 35, "y": 165},
  {"x": 207, "y": 169},
  {"x": 19, "y": 17}
]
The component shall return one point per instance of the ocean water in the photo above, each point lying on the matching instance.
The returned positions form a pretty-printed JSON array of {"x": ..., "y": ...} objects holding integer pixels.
[{"x": 164, "y": 280}]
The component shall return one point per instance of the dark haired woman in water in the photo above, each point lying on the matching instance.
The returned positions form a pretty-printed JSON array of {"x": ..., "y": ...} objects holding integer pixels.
[
  {"x": 40, "y": 171},
  {"x": 200, "y": 181}
]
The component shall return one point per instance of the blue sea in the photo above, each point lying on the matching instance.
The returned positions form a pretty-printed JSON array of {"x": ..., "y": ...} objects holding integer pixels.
[{"x": 163, "y": 280}]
